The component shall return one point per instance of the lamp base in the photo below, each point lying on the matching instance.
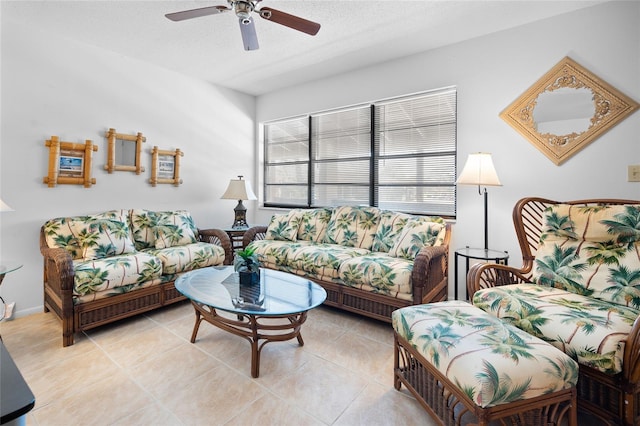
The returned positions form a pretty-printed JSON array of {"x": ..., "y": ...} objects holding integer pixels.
[{"x": 240, "y": 217}]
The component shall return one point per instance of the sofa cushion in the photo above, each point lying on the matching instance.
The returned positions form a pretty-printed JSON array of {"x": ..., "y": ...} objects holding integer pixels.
[
  {"x": 590, "y": 330},
  {"x": 99, "y": 237},
  {"x": 313, "y": 225},
  {"x": 379, "y": 273},
  {"x": 117, "y": 271},
  {"x": 491, "y": 361},
  {"x": 174, "y": 228},
  {"x": 417, "y": 233},
  {"x": 593, "y": 251},
  {"x": 284, "y": 227},
  {"x": 389, "y": 227},
  {"x": 320, "y": 259},
  {"x": 352, "y": 226},
  {"x": 274, "y": 254},
  {"x": 58, "y": 232},
  {"x": 143, "y": 223},
  {"x": 188, "y": 257}
]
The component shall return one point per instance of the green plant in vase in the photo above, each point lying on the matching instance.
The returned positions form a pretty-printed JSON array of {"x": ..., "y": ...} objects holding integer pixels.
[{"x": 247, "y": 265}]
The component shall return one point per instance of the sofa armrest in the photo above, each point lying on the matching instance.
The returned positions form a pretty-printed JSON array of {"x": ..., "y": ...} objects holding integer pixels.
[
  {"x": 631, "y": 360},
  {"x": 486, "y": 275},
  {"x": 59, "y": 272},
  {"x": 254, "y": 233},
  {"x": 430, "y": 274},
  {"x": 219, "y": 238}
]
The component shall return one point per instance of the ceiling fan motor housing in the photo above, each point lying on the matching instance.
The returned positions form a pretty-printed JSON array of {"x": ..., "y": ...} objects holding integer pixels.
[{"x": 243, "y": 10}]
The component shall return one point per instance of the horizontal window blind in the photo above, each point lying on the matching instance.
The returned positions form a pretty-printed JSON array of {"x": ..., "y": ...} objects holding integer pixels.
[
  {"x": 397, "y": 154},
  {"x": 415, "y": 145},
  {"x": 286, "y": 168},
  {"x": 341, "y": 147}
]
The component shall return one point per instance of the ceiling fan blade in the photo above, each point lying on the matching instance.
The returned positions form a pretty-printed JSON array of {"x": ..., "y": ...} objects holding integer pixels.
[
  {"x": 248, "y": 31},
  {"x": 196, "y": 13},
  {"x": 290, "y": 21}
]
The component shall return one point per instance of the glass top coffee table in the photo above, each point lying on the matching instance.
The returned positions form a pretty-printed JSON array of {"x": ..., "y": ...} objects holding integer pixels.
[{"x": 272, "y": 310}]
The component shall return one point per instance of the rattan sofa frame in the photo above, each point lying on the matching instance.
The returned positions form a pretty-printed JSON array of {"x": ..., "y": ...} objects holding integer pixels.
[
  {"x": 429, "y": 278},
  {"x": 58, "y": 291},
  {"x": 608, "y": 397}
]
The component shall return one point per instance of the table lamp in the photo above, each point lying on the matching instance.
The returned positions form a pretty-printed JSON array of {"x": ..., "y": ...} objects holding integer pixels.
[
  {"x": 479, "y": 170},
  {"x": 239, "y": 189}
]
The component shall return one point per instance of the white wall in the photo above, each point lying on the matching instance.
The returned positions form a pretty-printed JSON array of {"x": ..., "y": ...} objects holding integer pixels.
[
  {"x": 490, "y": 72},
  {"x": 53, "y": 86}
]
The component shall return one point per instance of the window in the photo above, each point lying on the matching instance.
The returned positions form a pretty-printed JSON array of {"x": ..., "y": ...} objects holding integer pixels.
[{"x": 397, "y": 154}]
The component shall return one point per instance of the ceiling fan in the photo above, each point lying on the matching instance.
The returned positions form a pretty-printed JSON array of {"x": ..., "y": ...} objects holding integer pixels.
[{"x": 243, "y": 10}]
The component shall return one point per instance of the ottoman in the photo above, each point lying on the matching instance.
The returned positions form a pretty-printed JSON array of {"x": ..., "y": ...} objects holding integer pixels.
[{"x": 465, "y": 366}]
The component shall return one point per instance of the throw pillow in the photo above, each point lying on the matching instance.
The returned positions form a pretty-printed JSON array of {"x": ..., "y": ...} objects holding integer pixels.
[
  {"x": 415, "y": 235},
  {"x": 353, "y": 226},
  {"x": 313, "y": 225},
  {"x": 99, "y": 238},
  {"x": 390, "y": 226},
  {"x": 143, "y": 223},
  {"x": 284, "y": 227},
  {"x": 174, "y": 228}
]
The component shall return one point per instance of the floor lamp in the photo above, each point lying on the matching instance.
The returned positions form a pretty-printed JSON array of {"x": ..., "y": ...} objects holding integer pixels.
[{"x": 479, "y": 170}]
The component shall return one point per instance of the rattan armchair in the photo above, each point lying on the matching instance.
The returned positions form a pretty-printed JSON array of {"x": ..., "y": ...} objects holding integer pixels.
[{"x": 611, "y": 397}]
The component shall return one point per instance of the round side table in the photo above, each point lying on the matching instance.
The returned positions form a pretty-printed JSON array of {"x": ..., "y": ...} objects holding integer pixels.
[
  {"x": 468, "y": 253},
  {"x": 5, "y": 268}
]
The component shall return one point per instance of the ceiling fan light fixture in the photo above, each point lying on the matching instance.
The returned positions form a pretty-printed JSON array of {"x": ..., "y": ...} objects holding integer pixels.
[{"x": 243, "y": 9}]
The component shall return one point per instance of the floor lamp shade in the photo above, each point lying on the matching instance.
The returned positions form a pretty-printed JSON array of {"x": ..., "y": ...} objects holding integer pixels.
[
  {"x": 479, "y": 170},
  {"x": 239, "y": 189}
]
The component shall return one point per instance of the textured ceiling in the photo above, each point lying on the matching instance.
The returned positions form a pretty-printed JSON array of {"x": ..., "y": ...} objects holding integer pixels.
[{"x": 354, "y": 34}]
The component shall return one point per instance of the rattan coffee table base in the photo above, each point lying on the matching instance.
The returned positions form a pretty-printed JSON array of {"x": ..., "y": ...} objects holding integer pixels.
[{"x": 258, "y": 330}]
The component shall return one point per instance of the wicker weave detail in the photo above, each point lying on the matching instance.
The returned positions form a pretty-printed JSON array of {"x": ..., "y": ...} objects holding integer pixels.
[{"x": 100, "y": 315}]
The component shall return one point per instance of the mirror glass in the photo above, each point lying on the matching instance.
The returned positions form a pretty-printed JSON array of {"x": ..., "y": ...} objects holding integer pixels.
[
  {"x": 125, "y": 153},
  {"x": 564, "y": 111}
]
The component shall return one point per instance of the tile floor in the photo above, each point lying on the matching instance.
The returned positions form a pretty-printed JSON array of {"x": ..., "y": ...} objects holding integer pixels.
[{"x": 144, "y": 371}]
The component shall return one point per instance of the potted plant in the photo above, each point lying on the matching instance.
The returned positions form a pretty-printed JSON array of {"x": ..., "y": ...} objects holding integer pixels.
[{"x": 247, "y": 266}]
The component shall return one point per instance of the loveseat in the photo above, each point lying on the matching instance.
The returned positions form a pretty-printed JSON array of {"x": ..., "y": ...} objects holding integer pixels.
[
  {"x": 370, "y": 261},
  {"x": 578, "y": 289},
  {"x": 104, "y": 267}
]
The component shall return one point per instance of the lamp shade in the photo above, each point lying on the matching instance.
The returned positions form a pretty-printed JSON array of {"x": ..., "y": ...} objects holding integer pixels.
[
  {"x": 479, "y": 170},
  {"x": 4, "y": 207},
  {"x": 239, "y": 189}
]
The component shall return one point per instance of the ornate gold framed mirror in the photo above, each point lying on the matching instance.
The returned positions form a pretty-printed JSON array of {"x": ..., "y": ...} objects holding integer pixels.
[{"x": 566, "y": 109}]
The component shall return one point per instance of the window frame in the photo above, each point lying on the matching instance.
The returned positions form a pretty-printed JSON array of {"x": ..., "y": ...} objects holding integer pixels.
[{"x": 373, "y": 158}]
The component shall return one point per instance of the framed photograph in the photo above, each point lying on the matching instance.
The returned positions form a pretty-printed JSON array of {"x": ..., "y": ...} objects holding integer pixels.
[
  {"x": 69, "y": 163},
  {"x": 165, "y": 166}
]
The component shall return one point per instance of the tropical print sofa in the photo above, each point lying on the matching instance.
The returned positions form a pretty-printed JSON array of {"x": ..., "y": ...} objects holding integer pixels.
[
  {"x": 111, "y": 265},
  {"x": 369, "y": 260},
  {"x": 579, "y": 289}
]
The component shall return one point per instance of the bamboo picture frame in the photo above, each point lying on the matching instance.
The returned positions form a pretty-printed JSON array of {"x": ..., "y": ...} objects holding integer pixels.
[
  {"x": 165, "y": 167},
  {"x": 69, "y": 163},
  {"x": 113, "y": 139}
]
